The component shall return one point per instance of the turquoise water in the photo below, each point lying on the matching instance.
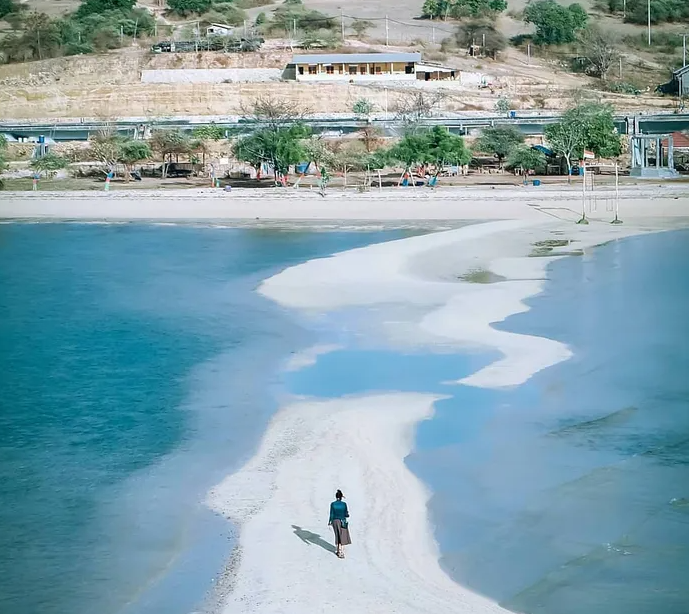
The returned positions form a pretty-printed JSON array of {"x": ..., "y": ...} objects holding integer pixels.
[
  {"x": 569, "y": 494},
  {"x": 138, "y": 368}
]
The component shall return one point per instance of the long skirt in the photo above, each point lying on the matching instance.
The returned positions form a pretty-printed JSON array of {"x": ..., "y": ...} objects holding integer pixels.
[{"x": 341, "y": 534}]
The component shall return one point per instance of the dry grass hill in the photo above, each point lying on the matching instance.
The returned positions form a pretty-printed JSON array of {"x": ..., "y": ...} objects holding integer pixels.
[{"x": 109, "y": 85}]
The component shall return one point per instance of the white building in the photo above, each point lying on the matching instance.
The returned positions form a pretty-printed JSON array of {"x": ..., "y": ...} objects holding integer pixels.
[
  {"x": 355, "y": 67},
  {"x": 220, "y": 29}
]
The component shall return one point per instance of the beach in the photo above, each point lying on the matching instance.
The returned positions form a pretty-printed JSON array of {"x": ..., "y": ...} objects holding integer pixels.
[
  {"x": 417, "y": 292},
  {"x": 388, "y": 206},
  {"x": 281, "y": 495}
]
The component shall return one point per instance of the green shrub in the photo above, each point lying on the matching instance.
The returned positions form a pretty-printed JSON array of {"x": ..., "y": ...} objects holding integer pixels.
[
  {"x": 555, "y": 24},
  {"x": 189, "y": 7}
]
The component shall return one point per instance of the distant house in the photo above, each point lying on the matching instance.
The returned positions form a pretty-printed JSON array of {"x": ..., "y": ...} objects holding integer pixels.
[
  {"x": 220, "y": 29},
  {"x": 365, "y": 67},
  {"x": 678, "y": 85},
  {"x": 355, "y": 66},
  {"x": 679, "y": 141}
]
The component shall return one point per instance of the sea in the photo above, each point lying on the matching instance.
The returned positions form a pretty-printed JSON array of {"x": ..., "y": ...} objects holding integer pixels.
[
  {"x": 139, "y": 367},
  {"x": 568, "y": 494}
]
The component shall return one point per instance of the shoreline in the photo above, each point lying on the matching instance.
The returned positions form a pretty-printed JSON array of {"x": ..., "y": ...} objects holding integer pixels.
[
  {"x": 274, "y": 206},
  {"x": 295, "y": 469}
]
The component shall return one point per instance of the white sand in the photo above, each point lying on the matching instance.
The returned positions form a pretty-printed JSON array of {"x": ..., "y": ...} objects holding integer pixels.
[
  {"x": 311, "y": 448},
  {"x": 359, "y": 444},
  {"x": 390, "y": 205},
  {"x": 309, "y": 356}
]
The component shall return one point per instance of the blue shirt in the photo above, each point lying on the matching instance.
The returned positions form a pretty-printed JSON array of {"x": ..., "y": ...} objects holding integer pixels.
[{"x": 338, "y": 511}]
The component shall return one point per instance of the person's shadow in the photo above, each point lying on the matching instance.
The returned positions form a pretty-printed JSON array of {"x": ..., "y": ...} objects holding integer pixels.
[{"x": 313, "y": 538}]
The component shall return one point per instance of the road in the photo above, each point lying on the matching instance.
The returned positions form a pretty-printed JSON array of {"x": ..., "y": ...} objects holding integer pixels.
[{"x": 79, "y": 129}]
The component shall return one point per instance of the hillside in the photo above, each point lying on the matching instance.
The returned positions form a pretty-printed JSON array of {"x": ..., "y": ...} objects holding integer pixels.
[{"x": 109, "y": 84}]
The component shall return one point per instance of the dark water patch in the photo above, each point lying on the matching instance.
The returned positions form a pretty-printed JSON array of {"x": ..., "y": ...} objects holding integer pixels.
[
  {"x": 614, "y": 419},
  {"x": 482, "y": 276}
]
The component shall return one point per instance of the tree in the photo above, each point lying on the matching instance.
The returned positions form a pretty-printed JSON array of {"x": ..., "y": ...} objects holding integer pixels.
[
  {"x": 130, "y": 152},
  {"x": 566, "y": 139},
  {"x": 170, "y": 142},
  {"x": 662, "y": 11},
  {"x": 500, "y": 141},
  {"x": 279, "y": 135},
  {"x": 371, "y": 137},
  {"x": 40, "y": 35},
  {"x": 598, "y": 127},
  {"x": 105, "y": 147},
  {"x": 363, "y": 106},
  {"x": 288, "y": 15},
  {"x": 189, "y": 7},
  {"x": 273, "y": 112},
  {"x": 98, "y": 7},
  {"x": 280, "y": 147},
  {"x": 413, "y": 107},
  {"x": 360, "y": 26},
  {"x": 462, "y": 8},
  {"x": 446, "y": 148},
  {"x": 8, "y": 6},
  {"x": 503, "y": 104},
  {"x": 3, "y": 149},
  {"x": 479, "y": 32},
  {"x": 49, "y": 163},
  {"x": 210, "y": 132},
  {"x": 526, "y": 158},
  {"x": 600, "y": 50},
  {"x": 261, "y": 19},
  {"x": 436, "y": 146},
  {"x": 555, "y": 24}
]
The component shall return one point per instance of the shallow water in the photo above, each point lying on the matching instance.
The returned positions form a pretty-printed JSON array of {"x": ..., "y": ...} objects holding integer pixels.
[
  {"x": 569, "y": 494},
  {"x": 138, "y": 367}
]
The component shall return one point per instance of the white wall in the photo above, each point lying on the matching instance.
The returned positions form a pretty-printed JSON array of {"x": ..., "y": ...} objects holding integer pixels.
[
  {"x": 474, "y": 78},
  {"x": 337, "y": 78},
  {"x": 211, "y": 75}
]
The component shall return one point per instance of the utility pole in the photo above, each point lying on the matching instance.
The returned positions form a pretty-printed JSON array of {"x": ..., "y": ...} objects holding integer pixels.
[
  {"x": 528, "y": 54},
  {"x": 649, "y": 23},
  {"x": 294, "y": 28},
  {"x": 617, "y": 219},
  {"x": 624, "y": 9},
  {"x": 387, "y": 32},
  {"x": 121, "y": 36},
  {"x": 684, "y": 51},
  {"x": 620, "y": 67},
  {"x": 433, "y": 34},
  {"x": 342, "y": 23}
]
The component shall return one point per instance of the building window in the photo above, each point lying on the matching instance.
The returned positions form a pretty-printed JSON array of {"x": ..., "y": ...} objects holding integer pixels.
[
  {"x": 330, "y": 70},
  {"x": 379, "y": 70},
  {"x": 364, "y": 69},
  {"x": 352, "y": 69},
  {"x": 301, "y": 70},
  {"x": 340, "y": 69},
  {"x": 409, "y": 69},
  {"x": 313, "y": 70}
]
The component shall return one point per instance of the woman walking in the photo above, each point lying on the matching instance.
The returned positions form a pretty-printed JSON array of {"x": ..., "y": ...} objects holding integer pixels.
[{"x": 338, "y": 519}]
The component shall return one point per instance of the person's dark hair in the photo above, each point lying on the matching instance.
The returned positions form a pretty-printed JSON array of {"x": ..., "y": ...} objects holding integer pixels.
[{"x": 339, "y": 495}]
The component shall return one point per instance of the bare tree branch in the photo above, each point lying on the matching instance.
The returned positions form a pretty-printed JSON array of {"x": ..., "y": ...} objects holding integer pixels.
[{"x": 600, "y": 49}]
